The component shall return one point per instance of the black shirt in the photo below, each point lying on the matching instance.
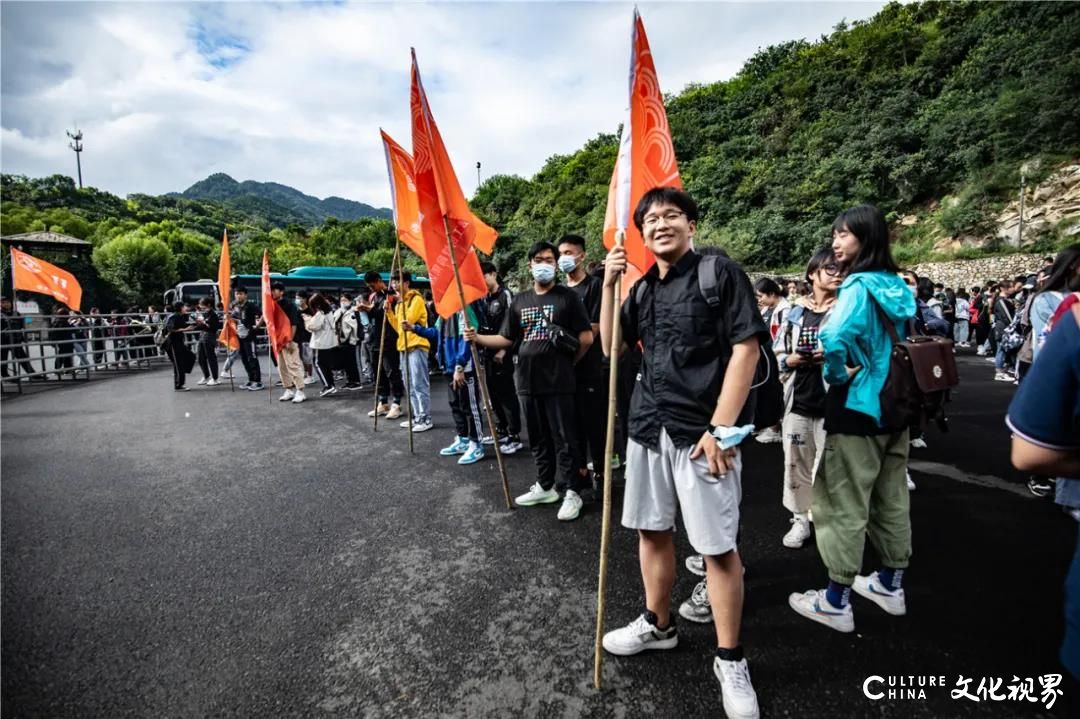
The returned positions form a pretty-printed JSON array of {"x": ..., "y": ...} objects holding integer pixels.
[
  {"x": 208, "y": 330},
  {"x": 809, "y": 389},
  {"x": 541, "y": 367},
  {"x": 377, "y": 300},
  {"x": 841, "y": 420},
  {"x": 498, "y": 302},
  {"x": 685, "y": 346},
  {"x": 591, "y": 367},
  {"x": 293, "y": 313}
]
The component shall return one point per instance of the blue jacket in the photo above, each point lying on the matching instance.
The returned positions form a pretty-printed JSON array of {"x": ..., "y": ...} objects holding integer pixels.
[
  {"x": 453, "y": 350},
  {"x": 854, "y": 336}
]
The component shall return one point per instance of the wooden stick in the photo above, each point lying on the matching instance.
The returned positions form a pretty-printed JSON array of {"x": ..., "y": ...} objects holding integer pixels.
[
  {"x": 609, "y": 448},
  {"x": 405, "y": 337},
  {"x": 481, "y": 376},
  {"x": 382, "y": 344}
]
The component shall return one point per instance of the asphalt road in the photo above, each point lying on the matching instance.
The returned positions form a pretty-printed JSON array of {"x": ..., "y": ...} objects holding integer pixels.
[{"x": 221, "y": 554}]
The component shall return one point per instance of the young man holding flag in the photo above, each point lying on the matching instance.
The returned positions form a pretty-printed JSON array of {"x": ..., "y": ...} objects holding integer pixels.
[
  {"x": 288, "y": 356},
  {"x": 698, "y": 362}
]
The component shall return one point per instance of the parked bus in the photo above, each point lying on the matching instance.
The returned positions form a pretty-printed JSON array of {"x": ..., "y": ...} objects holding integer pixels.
[{"x": 327, "y": 280}]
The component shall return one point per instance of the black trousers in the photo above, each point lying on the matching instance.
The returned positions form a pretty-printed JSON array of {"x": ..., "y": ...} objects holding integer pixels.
[
  {"x": 326, "y": 361},
  {"x": 19, "y": 354},
  {"x": 391, "y": 384},
  {"x": 207, "y": 358},
  {"x": 98, "y": 345},
  {"x": 467, "y": 406},
  {"x": 251, "y": 362},
  {"x": 504, "y": 398},
  {"x": 590, "y": 415},
  {"x": 178, "y": 374},
  {"x": 553, "y": 438},
  {"x": 350, "y": 362}
]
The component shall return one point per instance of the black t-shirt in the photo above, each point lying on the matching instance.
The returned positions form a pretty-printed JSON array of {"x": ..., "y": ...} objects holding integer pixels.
[
  {"x": 809, "y": 396},
  {"x": 591, "y": 366},
  {"x": 377, "y": 300},
  {"x": 686, "y": 346},
  {"x": 541, "y": 367},
  {"x": 841, "y": 420},
  {"x": 293, "y": 313}
]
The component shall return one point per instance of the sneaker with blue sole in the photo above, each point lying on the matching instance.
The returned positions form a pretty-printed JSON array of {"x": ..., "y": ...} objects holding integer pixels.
[
  {"x": 474, "y": 453},
  {"x": 814, "y": 606},
  {"x": 459, "y": 446}
]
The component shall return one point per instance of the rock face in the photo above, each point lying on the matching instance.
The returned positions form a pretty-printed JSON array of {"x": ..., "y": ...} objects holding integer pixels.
[
  {"x": 1055, "y": 199},
  {"x": 971, "y": 273}
]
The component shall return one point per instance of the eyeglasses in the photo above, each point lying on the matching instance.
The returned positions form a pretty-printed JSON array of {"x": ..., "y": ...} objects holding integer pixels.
[
  {"x": 831, "y": 269},
  {"x": 668, "y": 217}
]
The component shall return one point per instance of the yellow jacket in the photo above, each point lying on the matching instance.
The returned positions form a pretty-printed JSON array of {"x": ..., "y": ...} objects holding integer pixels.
[{"x": 415, "y": 313}]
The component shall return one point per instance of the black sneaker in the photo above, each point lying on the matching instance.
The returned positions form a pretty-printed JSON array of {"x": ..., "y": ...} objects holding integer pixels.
[
  {"x": 1041, "y": 486},
  {"x": 354, "y": 386}
]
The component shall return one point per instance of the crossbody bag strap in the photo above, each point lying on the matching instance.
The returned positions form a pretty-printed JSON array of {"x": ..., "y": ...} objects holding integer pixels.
[{"x": 889, "y": 326}]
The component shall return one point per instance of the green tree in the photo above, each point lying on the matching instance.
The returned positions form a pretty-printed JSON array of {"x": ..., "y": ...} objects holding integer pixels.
[{"x": 137, "y": 268}]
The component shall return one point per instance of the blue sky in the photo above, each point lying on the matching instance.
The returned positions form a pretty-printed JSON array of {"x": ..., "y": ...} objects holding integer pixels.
[{"x": 167, "y": 93}]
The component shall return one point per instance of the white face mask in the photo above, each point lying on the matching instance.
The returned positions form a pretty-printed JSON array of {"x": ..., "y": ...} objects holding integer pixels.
[
  {"x": 567, "y": 263},
  {"x": 346, "y": 304}
]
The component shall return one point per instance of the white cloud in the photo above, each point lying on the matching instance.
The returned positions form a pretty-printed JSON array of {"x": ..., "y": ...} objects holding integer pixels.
[{"x": 168, "y": 93}]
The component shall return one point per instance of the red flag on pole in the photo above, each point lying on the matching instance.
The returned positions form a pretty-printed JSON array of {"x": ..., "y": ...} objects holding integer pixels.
[
  {"x": 278, "y": 327},
  {"x": 432, "y": 168},
  {"x": 402, "y": 171},
  {"x": 228, "y": 336},
  {"x": 646, "y": 156}
]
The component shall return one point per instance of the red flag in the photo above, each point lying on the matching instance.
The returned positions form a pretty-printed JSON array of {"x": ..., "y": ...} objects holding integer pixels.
[
  {"x": 646, "y": 156},
  {"x": 228, "y": 336},
  {"x": 402, "y": 171},
  {"x": 278, "y": 327},
  {"x": 426, "y": 143},
  {"x": 34, "y": 275}
]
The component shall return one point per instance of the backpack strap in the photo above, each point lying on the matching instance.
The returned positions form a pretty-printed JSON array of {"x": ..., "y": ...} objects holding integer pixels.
[
  {"x": 706, "y": 277},
  {"x": 889, "y": 326}
]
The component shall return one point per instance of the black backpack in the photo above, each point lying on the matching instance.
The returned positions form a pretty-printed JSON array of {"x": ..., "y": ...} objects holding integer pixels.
[{"x": 765, "y": 405}]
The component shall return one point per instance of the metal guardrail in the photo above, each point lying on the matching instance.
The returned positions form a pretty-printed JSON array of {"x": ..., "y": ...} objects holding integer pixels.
[{"x": 63, "y": 348}]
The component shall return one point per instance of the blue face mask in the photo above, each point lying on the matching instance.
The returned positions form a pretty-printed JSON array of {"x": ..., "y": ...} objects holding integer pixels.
[
  {"x": 544, "y": 274},
  {"x": 567, "y": 263}
]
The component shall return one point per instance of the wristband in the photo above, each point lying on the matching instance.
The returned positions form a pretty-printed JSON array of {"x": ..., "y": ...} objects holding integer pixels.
[
  {"x": 728, "y": 437},
  {"x": 459, "y": 368}
]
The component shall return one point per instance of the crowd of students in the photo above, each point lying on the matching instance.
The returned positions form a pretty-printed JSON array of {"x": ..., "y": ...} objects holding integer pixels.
[{"x": 693, "y": 329}]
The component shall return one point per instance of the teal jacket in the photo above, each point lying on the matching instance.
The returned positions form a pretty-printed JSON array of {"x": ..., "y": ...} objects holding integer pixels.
[{"x": 855, "y": 337}]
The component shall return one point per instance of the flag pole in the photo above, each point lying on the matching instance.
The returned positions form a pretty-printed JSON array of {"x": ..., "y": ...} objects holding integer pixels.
[
  {"x": 405, "y": 337},
  {"x": 609, "y": 448},
  {"x": 481, "y": 375},
  {"x": 382, "y": 347}
]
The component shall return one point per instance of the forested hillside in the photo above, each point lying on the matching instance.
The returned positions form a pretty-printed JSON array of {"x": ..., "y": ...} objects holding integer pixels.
[
  {"x": 927, "y": 110},
  {"x": 920, "y": 102}
]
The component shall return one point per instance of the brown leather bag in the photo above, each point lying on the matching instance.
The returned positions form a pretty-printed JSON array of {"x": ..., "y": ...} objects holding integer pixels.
[{"x": 922, "y": 370}]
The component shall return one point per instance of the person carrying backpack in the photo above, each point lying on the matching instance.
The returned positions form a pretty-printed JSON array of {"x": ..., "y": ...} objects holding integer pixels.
[
  {"x": 861, "y": 476},
  {"x": 701, "y": 336}
]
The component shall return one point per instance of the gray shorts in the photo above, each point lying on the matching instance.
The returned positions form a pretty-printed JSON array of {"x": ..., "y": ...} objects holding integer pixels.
[
  {"x": 710, "y": 505},
  {"x": 306, "y": 355}
]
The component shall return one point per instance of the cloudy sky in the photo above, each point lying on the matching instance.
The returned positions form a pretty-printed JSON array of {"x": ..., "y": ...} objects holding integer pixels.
[{"x": 167, "y": 93}]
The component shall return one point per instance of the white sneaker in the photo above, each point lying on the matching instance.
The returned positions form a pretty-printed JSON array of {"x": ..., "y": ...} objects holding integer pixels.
[
  {"x": 814, "y": 606},
  {"x": 697, "y": 607},
  {"x": 380, "y": 410},
  {"x": 918, "y": 443},
  {"x": 769, "y": 436},
  {"x": 328, "y": 391},
  {"x": 537, "y": 495},
  {"x": 289, "y": 394},
  {"x": 571, "y": 506},
  {"x": 798, "y": 534},
  {"x": 405, "y": 424},
  {"x": 910, "y": 484},
  {"x": 740, "y": 699},
  {"x": 695, "y": 563},
  {"x": 212, "y": 383},
  {"x": 1003, "y": 377},
  {"x": 892, "y": 601},
  {"x": 423, "y": 425},
  {"x": 395, "y": 411},
  {"x": 639, "y": 635},
  {"x": 310, "y": 379},
  {"x": 202, "y": 381},
  {"x": 227, "y": 375},
  {"x": 299, "y": 397}
]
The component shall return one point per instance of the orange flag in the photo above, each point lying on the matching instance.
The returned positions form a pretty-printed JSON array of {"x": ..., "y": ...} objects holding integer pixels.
[
  {"x": 278, "y": 327},
  {"x": 34, "y": 275},
  {"x": 426, "y": 145},
  {"x": 402, "y": 171},
  {"x": 228, "y": 336},
  {"x": 451, "y": 199},
  {"x": 646, "y": 156}
]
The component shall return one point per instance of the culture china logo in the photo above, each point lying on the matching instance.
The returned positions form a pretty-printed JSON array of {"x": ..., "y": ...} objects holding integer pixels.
[{"x": 1030, "y": 690}]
